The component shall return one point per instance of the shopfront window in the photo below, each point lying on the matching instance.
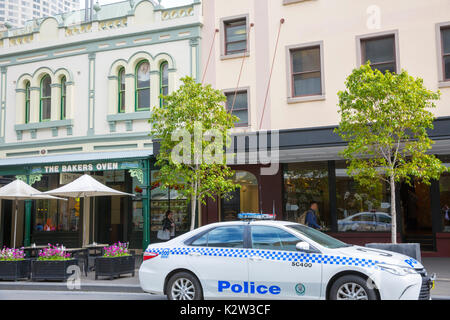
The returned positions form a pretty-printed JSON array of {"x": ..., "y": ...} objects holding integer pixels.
[
  {"x": 163, "y": 200},
  {"x": 244, "y": 199},
  {"x": 55, "y": 215},
  {"x": 444, "y": 188},
  {"x": 361, "y": 208},
  {"x": 303, "y": 184}
]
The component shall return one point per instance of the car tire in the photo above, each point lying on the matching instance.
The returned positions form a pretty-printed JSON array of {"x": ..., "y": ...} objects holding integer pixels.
[
  {"x": 184, "y": 286},
  {"x": 351, "y": 287}
]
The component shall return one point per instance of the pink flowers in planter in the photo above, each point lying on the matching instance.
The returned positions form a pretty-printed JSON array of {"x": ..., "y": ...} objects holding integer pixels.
[
  {"x": 116, "y": 250},
  {"x": 54, "y": 253},
  {"x": 9, "y": 254}
]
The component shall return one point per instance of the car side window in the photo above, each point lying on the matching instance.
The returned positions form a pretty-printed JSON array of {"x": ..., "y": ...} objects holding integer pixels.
[
  {"x": 272, "y": 238},
  {"x": 222, "y": 237},
  {"x": 201, "y": 242},
  {"x": 384, "y": 219},
  {"x": 369, "y": 217}
]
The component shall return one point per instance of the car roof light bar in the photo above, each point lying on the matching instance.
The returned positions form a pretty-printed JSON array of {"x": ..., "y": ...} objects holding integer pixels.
[{"x": 256, "y": 216}]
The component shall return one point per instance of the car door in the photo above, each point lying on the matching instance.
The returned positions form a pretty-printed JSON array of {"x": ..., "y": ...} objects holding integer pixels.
[
  {"x": 219, "y": 260},
  {"x": 277, "y": 270}
]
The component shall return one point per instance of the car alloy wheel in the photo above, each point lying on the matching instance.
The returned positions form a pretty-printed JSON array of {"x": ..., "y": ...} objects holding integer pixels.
[
  {"x": 183, "y": 289},
  {"x": 351, "y": 291}
]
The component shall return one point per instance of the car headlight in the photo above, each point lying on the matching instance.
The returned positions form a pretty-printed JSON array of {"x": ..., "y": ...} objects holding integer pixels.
[{"x": 397, "y": 270}]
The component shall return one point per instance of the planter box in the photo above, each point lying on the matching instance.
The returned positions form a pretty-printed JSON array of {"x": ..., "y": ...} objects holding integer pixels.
[
  {"x": 114, "y": 267},
  {"x": 15, "y": 270},
  {"x": 51, "y": 270},
  {"x": 408, "y": 249}
]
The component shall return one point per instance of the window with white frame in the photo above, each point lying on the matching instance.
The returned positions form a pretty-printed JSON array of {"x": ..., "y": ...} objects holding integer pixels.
[
  {"x": 45, "y": 98},
  {"x": 142, "y": 82}
]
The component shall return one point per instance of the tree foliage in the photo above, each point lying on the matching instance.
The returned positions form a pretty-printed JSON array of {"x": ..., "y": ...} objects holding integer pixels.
[
  {"x": 195, "y": 110},
  {"x": 385, "y": 120}
]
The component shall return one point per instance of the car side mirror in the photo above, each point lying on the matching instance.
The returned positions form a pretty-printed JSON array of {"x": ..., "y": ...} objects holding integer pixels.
[{"x": 302, "y": 246}]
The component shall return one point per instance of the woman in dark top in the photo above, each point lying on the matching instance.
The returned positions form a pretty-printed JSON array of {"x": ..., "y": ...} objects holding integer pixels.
[{"x": 169, "y": 224}]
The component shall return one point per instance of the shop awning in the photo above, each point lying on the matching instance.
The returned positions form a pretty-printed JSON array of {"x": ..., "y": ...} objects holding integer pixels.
[{"x": 77, "y": 157}]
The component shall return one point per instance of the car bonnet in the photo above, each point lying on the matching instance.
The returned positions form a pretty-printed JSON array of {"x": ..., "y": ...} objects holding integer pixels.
[{"x": 380, "y": 256}]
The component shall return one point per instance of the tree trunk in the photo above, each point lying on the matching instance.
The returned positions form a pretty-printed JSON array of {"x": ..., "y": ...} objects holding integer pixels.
[
  {"x": 393, "y": 212},
  {"x": 194, "y": 203},
  {"x": 193, "y": 209},
  {"x": 199, "y": 206}
]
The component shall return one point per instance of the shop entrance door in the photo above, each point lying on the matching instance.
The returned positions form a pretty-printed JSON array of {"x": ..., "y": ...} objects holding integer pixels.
[
  {"x": 6, "y": 222},
  {"x": 416, "y": 214},
  {"x": 231, "y": 206},
  {"x": 109, "y": 224}
]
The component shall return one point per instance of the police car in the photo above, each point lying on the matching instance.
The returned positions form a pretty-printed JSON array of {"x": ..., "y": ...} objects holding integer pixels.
[{"x": 260, "y": 258}]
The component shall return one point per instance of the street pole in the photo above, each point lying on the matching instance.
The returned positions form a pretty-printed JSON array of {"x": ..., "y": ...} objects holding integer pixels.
[{"x": 146, "y": 208}]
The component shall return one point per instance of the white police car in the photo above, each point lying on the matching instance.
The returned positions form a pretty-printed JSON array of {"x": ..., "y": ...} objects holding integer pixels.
[{"x": 260, "y": 259}]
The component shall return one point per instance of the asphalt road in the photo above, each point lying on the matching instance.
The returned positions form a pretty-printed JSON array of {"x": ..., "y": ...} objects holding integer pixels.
[
  {"x": 74, "y": 295},
  {"x": 85, "y": 295}
]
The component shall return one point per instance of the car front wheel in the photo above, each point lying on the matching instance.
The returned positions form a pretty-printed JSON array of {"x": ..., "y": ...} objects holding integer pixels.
[
  {"x": 352, "y": 287},
  {"x": 184, "y": 286}
]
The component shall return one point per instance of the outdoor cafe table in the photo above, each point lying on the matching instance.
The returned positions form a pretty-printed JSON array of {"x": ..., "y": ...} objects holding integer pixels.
[
  {"x": 86, "y": 256},
  {"x": 94, "y": 247}
]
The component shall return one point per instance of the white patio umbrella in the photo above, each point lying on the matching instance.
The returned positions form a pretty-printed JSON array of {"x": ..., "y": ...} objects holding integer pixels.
[
  {"x": 84, "y": 187},
  {"x": 19, "y": 190}
]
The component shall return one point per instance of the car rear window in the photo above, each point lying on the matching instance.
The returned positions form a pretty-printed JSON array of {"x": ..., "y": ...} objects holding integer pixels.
[{"x": 222, "y": 237}]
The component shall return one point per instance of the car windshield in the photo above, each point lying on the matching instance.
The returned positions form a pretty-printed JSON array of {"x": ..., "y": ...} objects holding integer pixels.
[{"x": 318, "y": 237}]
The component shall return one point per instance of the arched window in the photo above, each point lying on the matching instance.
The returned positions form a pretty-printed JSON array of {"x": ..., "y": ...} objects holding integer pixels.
[
  {"x": 46, "y": 99},
  {"x": 27, "y": 102},
  {"x": 163, "y": 81},
  {"x": 142, "y": 80},
  {"x": 121, "y": 84},
  {"x": 63, "y": 98}
]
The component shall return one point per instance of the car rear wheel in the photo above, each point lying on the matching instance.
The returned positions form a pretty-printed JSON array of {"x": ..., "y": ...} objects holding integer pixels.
[
  {"x": 184, "y": 286},
  {"x": 351, "y": 287}
]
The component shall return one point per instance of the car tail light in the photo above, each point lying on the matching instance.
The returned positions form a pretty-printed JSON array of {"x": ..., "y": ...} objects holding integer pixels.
[{"x": 149, "y": 255}]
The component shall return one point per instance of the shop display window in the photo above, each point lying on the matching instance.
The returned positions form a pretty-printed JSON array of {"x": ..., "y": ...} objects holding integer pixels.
[
  {"x": 303, "y": 184},
  {"x": 244, "y": 199},
  {"x": 444, "y": 189},
  {"x": 55, "y": 215},
  {"x": 163, "y": 200},
  {"x": 361, "y": 208}
]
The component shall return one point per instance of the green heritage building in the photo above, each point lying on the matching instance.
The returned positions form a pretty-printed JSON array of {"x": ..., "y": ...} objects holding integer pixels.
[{"x": 75, "y": 95}]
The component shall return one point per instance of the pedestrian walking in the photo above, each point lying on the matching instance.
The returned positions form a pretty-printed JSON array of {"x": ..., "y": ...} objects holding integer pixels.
[
  {"x": 311, "y": 217},
  {"x": 446, "y": 210},
  {"x": 169, "y": 224}
]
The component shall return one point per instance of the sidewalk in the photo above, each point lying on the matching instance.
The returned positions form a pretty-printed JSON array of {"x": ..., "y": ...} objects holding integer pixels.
[
  {"x": 128, "y": 284},
  {"x": 440, "y": 266},
  {"x": 125, "y": 283}
]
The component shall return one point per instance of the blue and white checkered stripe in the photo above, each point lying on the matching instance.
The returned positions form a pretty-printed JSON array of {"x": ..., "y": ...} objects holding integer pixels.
[{"x": 269, "y": 255}]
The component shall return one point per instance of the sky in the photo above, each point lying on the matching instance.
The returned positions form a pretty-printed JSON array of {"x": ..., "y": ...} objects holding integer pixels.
[{"x": 165, "y": 3}]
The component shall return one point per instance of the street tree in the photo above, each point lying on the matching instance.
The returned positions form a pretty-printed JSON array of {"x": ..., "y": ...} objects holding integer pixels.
[
  {"x": 385, "y": 118},
  {"x": 192, "y": 128}
]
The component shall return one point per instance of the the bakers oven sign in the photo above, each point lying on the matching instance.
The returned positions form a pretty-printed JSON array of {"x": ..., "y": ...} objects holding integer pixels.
[{"x": 84, "y": 167}]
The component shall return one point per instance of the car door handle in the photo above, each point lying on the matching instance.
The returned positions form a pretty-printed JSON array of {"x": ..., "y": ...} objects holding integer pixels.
[
  {"x": 255, "y": 258},
  {"x": 195, "y": 254}
]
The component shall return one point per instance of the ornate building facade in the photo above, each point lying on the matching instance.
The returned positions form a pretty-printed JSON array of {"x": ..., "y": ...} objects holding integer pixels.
[{"x": 75, "y": 97}]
